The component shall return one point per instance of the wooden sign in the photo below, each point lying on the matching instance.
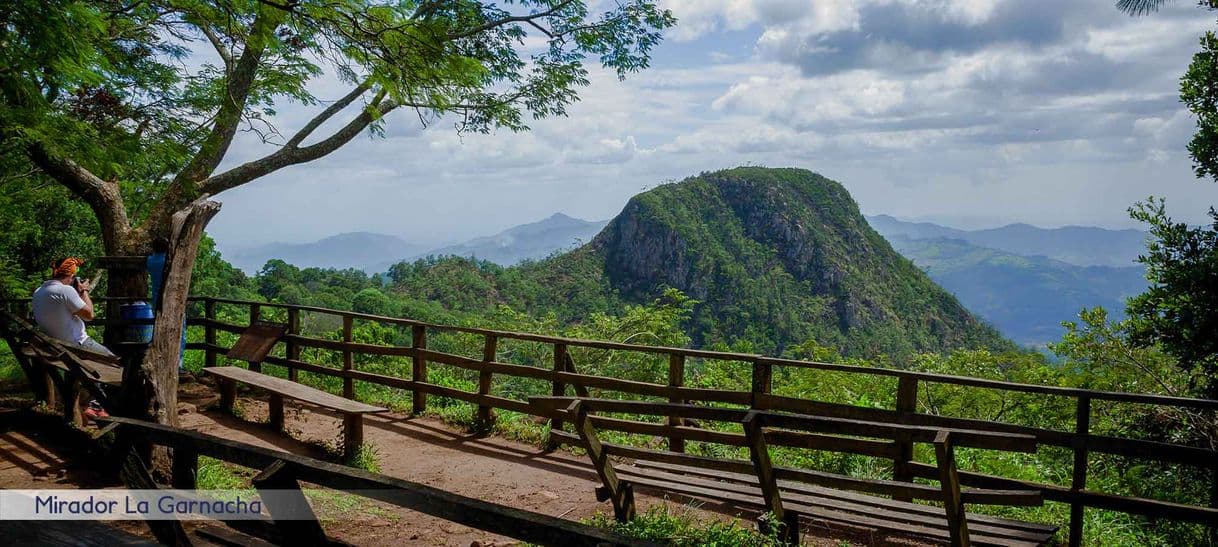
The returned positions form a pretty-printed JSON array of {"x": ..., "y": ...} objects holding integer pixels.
[{"x": 256, "y": 342}]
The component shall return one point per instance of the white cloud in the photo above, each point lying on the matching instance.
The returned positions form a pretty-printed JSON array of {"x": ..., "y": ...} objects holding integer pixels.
[{"x": 1002, "y": 110}]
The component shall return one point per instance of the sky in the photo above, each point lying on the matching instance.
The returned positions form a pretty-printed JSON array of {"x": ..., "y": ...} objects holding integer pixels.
[{"x": 971, "y": 113}]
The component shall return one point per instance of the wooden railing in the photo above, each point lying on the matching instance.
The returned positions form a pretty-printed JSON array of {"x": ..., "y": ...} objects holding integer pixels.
[{"x": 562, "y": 373}]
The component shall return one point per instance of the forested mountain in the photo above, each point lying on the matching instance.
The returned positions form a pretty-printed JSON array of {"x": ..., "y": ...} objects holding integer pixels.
[
  {"x": 1025, "y": 297},
  {"x": 361, "y": 250},
  {"x": 1078, "y": 245},
  {"x": 533, "y": 241},
  {"x": 775, "y": 258},
  {"x": 779, "y": 256}
]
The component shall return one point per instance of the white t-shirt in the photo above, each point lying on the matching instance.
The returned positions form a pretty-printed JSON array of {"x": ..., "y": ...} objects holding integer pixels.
[{"x": 55, "y": 307}]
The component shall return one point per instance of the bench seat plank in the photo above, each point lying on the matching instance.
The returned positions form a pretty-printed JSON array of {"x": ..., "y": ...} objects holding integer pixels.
[
  {"x": 878, "y": 514},
  {"x": 291, "y": 389},
  {"x": 828, "y": 513},
  {"x": 851, "y": 497},
  {"x": 106, "y": 373}
]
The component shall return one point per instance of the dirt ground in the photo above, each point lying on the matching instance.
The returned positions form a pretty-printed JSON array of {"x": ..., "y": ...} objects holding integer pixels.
[{"x": 422, "y": 450}]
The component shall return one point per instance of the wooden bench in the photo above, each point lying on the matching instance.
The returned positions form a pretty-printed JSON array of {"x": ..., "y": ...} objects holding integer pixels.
[
  {"x": 352, "y": 411},
  {"x": 827, "y": 499},
  {"x": 58, "y": 372}
]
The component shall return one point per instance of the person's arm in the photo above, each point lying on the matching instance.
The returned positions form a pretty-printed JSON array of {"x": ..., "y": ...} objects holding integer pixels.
[{"x": 84, "y": 303}]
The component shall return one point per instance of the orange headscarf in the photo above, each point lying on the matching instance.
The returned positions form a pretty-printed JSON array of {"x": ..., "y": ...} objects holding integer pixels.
[{"x": 68, "y": 267}]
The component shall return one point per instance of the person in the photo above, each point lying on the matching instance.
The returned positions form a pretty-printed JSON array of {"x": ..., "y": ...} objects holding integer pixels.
[
  {"x": 155, "y": 265},
  {"x": 62, "y": 305}
]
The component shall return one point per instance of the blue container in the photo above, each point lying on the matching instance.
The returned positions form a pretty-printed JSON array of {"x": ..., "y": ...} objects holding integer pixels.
[{"x": 137, "y": 333}]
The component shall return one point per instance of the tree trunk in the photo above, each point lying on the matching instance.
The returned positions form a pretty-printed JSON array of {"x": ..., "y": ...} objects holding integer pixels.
[
  {"x": 160, "y": 367},
  {"x": 154, "y": 394}
]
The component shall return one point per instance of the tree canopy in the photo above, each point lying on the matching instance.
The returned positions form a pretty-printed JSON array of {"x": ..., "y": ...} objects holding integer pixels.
[{"x": 132, "y": 106}]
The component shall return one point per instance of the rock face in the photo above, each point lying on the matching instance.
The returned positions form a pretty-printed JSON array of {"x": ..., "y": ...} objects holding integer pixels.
[{"x": 780, "y": 257}]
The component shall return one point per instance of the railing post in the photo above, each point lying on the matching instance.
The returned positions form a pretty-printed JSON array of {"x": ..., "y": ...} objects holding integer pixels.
[
  {"x": 558, "y": 388},
  {"x": 485, "y": 420},
  {"x": 763, "y": 380},
  {"x": 255, "y": 316},
  {"x": 418, "y": 371},
  {"x": 907, "y": 403},
  {"x": 676, "y": 378},
  {"x": 209, "y": 333},
  {"x": 185, "y": 468},
  {"x": 1078, "y": 482},
  {"x": 291, "y": 349},
  {"x": 348, "y": 358}
]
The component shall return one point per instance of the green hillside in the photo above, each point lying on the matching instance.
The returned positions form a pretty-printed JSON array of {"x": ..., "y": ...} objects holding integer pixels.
[{"x": 775, "y": 258}]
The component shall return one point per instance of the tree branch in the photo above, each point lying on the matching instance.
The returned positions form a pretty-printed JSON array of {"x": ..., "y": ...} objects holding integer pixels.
[
  {"x": 530, "y": 18},
  {"x": 221, "y": 49},
  {"x": 101, "y": 196},
  {"x": 286, "y": 156},
  {"x": 325, "y": 115},
  {"x": 240, "y": 83}
]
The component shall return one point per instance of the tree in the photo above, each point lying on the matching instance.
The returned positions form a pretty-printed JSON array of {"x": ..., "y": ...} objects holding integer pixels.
[
  {"x": 1180, "y": 309},
  {"x": 1145, "y": 7},
  {"x": 99, "y": 99},
  {"x": 1198, "y": 89},
  {"x": 372, "y": 301}
]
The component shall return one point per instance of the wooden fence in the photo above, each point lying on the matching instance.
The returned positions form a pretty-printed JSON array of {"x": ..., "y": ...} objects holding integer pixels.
[{"x": 562, "y": 373}]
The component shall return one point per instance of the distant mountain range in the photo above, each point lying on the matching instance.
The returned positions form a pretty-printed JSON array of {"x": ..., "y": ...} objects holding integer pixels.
[
  {"x": 532, "y": 241},
  {"x": 360, "y": 250},
  {"x": 1025, "y": 297},
  {"x": 1078, "y": 245},
  {"x": 373, "y": 252}
]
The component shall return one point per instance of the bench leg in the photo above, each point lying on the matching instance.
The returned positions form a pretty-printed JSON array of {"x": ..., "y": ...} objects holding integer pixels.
[
  {"x": 788, "y": 528},
  {"x": 276, "y": 411},
  {"x": 49, "y": 387},
  {"x": 228, "y": 394},
  {"x": 73, "y": 400},
  {"x": 353, "y": 435},
  {"x": 617, "y": 491},
  {"x": 949, "y": 481}
]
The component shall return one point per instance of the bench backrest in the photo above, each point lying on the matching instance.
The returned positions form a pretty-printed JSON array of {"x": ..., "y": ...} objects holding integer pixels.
[{"x": 764, "y": 429}]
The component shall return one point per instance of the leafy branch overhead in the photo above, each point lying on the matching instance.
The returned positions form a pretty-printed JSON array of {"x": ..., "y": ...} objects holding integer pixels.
[{"x": 134, "y": 105}]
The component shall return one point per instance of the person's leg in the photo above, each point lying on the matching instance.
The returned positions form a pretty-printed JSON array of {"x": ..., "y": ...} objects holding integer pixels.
[{"x": 92, "y": 345}]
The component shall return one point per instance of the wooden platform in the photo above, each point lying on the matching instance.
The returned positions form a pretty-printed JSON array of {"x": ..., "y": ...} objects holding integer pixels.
[{"x": 352, "y": 411}]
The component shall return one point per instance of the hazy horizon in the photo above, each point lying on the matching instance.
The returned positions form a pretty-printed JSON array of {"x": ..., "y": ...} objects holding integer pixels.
[{"x": 964, "y": 224}]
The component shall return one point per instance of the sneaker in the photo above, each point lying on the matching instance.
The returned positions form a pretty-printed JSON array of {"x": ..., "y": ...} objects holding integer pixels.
[{"x": 95, "y": 411}]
